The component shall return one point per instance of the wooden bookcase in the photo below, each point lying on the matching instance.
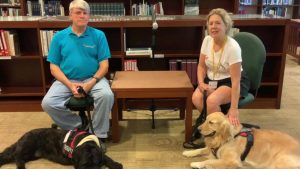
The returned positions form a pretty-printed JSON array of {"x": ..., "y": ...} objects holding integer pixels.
[
  {"x": 176, "y": 7},
  {"x": 25, "y": 79},
  {"x": 22, "y": 77}
]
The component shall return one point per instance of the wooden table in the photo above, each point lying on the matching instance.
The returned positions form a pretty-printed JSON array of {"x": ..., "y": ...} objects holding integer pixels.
[{"x": 151, "y": 84}]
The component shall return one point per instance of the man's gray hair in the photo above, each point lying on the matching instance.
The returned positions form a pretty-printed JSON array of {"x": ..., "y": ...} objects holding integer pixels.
[{"x": 79, "y": 4}]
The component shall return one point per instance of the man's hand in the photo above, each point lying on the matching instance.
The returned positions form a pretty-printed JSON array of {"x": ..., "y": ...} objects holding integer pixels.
[{"x": 74, "y": 88}]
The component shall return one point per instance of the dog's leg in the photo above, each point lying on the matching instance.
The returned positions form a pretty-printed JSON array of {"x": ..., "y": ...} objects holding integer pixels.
[
  {"x": 20, "y": 164},
  {"x": 216, "y": 164},
  {"x": 193, "y": 153},
  {"x": 111, "y": 164},
  {"x": 198, "y": 165}
]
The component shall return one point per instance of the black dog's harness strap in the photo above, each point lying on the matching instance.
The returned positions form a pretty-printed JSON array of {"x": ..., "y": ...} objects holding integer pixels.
[
  {"x": 69, "y": 141},
  {"x": 246, "y": 132}
]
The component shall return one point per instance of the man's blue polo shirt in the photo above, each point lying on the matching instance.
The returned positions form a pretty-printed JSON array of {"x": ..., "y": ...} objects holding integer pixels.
[{"x": 78, "y": 56}]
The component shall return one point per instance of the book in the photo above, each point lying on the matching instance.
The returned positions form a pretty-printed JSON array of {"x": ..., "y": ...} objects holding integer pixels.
[
  {"x": 172, "y": 64},
  {"x": 1, "y": 47},
  {"x": 14, "y": 43},
  {"x": 139, "y": 52},
  {"x": 8, "y": 44},
  {"x": 4, "y": 43}
]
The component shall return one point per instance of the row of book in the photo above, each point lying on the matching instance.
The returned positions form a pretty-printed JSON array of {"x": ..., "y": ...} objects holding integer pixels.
[
  {"x": 277, "y": 2},
  {"x": 42, "y": 8},
  {"x": 107, "y": 9},
  {"x": 144, "y": 9},
  {"x": 10, "y": 12},
  {"x": 9, "y": 44},
  {"x": 11, "y": 8},
  {"x": 191, "y": 7},
  {"x": 248, "y": 2},
  {"x": 46, "y": 37},
  {"x": 130, "y": 65},
  {"x": 12, "y": 2},
  {"x": 277, "y": 11},
  {"x": 189, "y": 65}
]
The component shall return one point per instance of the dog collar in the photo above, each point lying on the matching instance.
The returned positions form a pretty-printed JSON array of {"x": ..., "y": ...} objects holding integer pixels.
[{"x": 246, "y": 132}]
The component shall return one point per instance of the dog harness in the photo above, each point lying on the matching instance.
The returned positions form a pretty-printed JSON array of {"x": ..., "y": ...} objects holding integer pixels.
[
  {"x": 246, "y": 132},
  {"x": 69, "y": 142}
]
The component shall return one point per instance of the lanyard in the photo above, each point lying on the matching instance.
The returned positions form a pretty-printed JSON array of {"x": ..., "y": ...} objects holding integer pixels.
[{"x": 216, "y": 67}]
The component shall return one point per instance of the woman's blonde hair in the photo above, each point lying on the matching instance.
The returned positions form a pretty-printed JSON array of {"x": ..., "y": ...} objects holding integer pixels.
[
  {"x": 79, "y": 4},
  {"x": 225, "y": 17}
]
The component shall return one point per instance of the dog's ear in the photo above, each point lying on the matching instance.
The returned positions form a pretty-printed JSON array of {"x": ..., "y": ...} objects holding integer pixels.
[
  {"x": 226, "y": 130},
  {"x": 97, "y": 155}
]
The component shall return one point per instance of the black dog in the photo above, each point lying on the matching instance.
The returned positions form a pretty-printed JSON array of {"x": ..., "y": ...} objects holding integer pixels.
[{"x": 48, "y": 143}]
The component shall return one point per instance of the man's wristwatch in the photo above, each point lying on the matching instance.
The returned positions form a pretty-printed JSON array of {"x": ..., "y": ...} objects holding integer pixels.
[{"x": 97, "y": 79}]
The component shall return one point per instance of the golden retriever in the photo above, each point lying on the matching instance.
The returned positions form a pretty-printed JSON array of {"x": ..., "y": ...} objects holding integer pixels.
[{"x": 224, "y": 147}]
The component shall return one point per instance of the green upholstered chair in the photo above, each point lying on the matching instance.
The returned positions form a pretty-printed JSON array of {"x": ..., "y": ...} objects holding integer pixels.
[{"x": 254, "y": 57}]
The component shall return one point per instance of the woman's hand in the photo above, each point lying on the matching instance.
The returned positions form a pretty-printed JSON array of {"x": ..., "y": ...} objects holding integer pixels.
[
  {"x": 203, "y": 86},
  {"x": 233, "y": 116}
]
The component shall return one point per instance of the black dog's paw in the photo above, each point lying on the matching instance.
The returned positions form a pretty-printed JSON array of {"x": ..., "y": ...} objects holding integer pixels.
[
  {"x": 111, "y": 164},
  {"x": 54, "y": 126},
  {"x": 118, "y": 166}
]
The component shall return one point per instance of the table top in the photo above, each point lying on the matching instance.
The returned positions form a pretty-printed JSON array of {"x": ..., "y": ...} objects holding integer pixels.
[{"x": 151, "y": 80}]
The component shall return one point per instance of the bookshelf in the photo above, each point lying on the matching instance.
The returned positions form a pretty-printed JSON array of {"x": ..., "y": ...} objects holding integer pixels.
[
  {"x": 25, "y": 79},
  {"x": 283, "y": 8},
  {"x": 176, "y": 7}
]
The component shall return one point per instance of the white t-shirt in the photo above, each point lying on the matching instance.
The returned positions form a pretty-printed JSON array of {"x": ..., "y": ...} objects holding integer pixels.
[{"x": 231, "y": 54}]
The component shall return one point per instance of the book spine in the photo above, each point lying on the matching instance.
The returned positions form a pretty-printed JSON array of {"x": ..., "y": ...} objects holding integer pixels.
[
  {"x": 4, "y": 43},
  {"x": 1, "y": 47}
]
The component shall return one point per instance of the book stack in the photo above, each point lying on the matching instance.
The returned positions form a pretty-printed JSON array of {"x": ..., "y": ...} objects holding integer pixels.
[
  {"x": 191, "y": 7},
  {"x": 189, "y": 65},
  {"x": 144, "y": 9},
  {"x": 40, "y": 8},
  {"x": 46, "y": 37},
  {"x": 130, "y": 65},
  {"x": 9, "y": 44},
  {"x": 139, "y": 52}
]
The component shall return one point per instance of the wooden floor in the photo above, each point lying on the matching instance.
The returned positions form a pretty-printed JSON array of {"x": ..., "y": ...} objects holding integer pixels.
[{"x": 144, "y": 148}]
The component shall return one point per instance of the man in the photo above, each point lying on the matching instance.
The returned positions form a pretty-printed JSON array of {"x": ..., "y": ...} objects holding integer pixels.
[{"x": 79, "y": 56}]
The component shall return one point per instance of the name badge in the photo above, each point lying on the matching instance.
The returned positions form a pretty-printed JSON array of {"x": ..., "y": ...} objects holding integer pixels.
[{"x": 213, "y": 84}]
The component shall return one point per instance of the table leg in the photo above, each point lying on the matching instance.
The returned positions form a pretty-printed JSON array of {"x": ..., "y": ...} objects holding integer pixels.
[
  {"x": 182, "y": 109},
  {"x": 115, "y": 122},
  {"x": 188, "y": 118}
]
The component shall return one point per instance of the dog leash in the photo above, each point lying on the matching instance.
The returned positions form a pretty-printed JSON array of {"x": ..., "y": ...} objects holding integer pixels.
[{"x": 81, "y": 91}]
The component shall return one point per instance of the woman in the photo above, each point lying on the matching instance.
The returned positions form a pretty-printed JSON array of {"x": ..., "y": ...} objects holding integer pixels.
[{"x": 220, "y": 68}]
